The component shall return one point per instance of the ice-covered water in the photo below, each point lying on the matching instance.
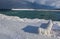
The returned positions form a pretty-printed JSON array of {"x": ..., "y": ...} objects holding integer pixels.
[{"x": 12, "y": 27}]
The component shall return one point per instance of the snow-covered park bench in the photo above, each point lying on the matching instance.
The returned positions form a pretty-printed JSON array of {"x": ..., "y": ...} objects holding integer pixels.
[{"x": 46, "y": 29}]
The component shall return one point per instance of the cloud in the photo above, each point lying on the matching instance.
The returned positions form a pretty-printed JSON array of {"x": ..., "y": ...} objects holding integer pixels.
[
  {"x": 53, "y": 3},
  {"x": 30, "y": 1},
  {"x": 41, "y": 1},
  {"x": 58, "y": 4}
]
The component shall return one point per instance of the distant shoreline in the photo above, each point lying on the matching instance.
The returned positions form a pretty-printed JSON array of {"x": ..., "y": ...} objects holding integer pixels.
[
  {"x": 28, "y": 10},
  {"x": 35, "y": 9},
  {"x": 5, "y": 9}
]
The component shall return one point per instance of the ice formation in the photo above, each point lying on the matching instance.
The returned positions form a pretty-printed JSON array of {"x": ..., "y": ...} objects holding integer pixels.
[
  {"x": 11, "y": 27},
  {"x": 46, "y": 31}
]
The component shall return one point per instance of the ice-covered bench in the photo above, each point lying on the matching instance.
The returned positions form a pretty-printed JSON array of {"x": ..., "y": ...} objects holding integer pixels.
[{"x": 46, "y": 29}]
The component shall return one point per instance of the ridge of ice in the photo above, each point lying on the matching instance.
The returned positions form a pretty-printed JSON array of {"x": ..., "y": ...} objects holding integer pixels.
[
  {"x": 14, "y": 18},
  {"x": 12, "y": 25}
]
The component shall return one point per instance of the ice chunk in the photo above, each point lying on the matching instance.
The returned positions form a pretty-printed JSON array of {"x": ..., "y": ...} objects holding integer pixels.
[{"x": 47, "y": 29}]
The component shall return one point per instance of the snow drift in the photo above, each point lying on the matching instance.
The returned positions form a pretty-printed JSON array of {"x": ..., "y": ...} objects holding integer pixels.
[{"x": 13, "y": 27}]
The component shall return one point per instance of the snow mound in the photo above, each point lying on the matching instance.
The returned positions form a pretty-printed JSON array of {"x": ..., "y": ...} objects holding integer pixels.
[{"x": 13, "y": 27}]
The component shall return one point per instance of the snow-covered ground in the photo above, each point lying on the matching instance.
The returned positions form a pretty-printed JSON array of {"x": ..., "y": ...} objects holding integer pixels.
[{"x": 12, "y": 27}]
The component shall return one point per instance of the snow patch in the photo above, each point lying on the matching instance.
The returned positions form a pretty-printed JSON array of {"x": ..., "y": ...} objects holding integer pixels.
[{"x": 13, "y": 25}]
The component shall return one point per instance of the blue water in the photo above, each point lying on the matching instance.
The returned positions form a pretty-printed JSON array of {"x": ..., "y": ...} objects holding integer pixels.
[{"x": 34, "y": 14}]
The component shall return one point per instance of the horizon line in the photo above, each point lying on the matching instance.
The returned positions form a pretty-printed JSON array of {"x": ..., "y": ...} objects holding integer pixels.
[{"x": 36, "y": 9}]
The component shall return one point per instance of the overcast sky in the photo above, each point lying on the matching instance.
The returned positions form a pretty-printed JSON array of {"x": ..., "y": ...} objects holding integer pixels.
[
  {"x": 55, "y": 3},
  {"x": 16, "y": 3}
]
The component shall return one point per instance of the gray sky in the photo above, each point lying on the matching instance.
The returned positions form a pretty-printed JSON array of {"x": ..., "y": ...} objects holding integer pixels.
[{"x": 22, "y": 3}]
